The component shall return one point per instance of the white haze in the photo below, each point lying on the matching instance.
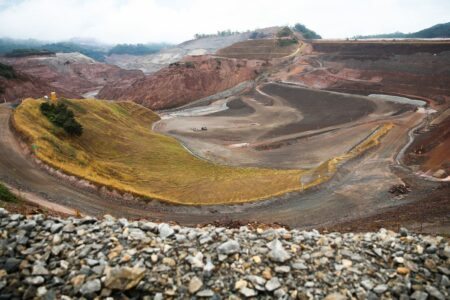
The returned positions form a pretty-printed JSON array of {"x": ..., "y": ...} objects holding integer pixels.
[{"x": 174, "y": 21}]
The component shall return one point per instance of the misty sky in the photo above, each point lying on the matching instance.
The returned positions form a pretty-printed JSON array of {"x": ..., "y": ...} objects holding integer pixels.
[{"x": 174, "y": 21}]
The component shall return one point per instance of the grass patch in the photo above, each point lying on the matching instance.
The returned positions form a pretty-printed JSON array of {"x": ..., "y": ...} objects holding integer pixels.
[
  {"x": 118, "y": 149},
  {"x": 6, "y": 195}
]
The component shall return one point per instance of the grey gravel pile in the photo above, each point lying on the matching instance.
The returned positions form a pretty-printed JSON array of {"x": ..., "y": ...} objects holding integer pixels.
[{"x": 49, "y": 258}]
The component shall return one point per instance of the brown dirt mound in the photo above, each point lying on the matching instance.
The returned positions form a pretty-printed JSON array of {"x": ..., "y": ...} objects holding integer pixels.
[{"x": 184, "y": 82}]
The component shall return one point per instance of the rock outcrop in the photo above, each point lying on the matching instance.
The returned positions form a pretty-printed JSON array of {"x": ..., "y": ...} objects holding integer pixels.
[{"x": 51, "y": 258}]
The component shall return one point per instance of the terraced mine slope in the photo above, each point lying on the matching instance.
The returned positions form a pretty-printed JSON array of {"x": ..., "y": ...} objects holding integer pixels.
[
  {"x": 415, "y": 69},
  {"x": 259, "y": 49},
  {"x": 118, "y": 149}
]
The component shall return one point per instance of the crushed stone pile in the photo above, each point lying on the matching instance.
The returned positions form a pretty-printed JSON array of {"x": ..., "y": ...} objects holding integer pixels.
[{"x": 43, "y": 257}]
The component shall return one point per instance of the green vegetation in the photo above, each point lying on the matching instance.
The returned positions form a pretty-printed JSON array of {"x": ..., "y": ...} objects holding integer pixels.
[
  {"x": 285, "y": 32},
  {"x": 7, "y": 71},
  {"x": 138, "y": 49},
  {"x": 28, "y": 52},
  {"x": 8, "y": 45},
  {"x": 67, "y": 47},
  {"x": 6, "y": 195},
  {"x": 219, "y": 33},
  {"x": 257, "y": 35},
  {"x": 190, "y": 65},
  {"x": 61, "y": 116},
  {"x": 119, "y": 150},
  {"x": 307, "y": 33},
  {"x": 20, "y": 48},
  {"x": 436, "y": 31},
  {"x": 287, "y": 42}
]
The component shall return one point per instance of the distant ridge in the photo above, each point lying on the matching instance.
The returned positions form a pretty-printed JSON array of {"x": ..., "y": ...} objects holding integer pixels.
[{"x": 436, "y": 31}]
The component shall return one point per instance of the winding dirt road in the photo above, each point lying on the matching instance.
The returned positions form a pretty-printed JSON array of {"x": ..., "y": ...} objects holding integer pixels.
[{"x": 359, "y": 189}]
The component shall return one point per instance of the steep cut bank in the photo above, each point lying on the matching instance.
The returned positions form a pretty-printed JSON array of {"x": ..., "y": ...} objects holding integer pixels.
[
  {"x": 72, "y": 74},
  {"x": 20, "y": 86},
  {"x": 119, "y": 150},
  {"x": 52, "y": 258},
  {"x": 185, "y": 81}
]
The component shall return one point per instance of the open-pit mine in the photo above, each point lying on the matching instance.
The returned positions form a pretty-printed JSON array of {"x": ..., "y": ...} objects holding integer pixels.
[{"x": 278, "y": 129}]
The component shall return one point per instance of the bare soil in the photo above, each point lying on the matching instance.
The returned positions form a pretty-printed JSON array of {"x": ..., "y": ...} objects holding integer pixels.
[{"x": 340, "y": 108}]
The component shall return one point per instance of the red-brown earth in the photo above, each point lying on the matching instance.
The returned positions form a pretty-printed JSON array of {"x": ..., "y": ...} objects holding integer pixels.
[
  {"x": 413, "y": 69},
  {"x": 193, "y": 78},
  {"x": 26, "y": 86},
  {"x": 71, "y": 75}
]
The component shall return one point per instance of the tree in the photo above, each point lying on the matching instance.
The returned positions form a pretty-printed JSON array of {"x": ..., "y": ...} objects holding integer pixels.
[
  {"x": 307, "y": 33},
  {"x": 61, "y": 116}
]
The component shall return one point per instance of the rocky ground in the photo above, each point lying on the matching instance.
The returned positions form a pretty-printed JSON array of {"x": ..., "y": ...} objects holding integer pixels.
[{"x": 51, "y": 258}]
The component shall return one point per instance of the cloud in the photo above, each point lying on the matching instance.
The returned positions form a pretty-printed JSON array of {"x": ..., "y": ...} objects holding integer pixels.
[{"x": 174, "y": 21}]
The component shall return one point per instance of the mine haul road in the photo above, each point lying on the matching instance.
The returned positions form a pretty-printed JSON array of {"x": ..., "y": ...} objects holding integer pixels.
[{"x": 359, "y": 189}]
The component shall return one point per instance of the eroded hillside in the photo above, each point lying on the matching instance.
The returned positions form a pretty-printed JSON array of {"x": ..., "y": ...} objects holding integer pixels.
[
  {"x": 72, "y": 74},
  {"x": 185, "y": 81}
]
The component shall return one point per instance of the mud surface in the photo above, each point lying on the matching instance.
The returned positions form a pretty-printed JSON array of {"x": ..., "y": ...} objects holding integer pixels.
[
  {"x": 319, "y": 109},
  {"x": 236, "y": 107}
]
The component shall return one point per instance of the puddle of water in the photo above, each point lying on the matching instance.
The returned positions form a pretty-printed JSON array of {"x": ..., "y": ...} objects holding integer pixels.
[
  {"x": 399, "y": 99},
  {"x": 198, "y": 111}
]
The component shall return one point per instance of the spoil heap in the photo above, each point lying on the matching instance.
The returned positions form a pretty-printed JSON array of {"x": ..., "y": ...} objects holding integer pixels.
[{"x": 48, "y": 257}]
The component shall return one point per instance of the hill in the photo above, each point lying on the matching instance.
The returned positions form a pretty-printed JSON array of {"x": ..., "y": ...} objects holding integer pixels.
[
  {"x": 70, "y": 74},
  {"x": 118, "y": 149},
  {"x": 183, "y": 82},
  {"x": 263, "y": 49},
  {"x": 436, "y": 31},
  {"x": 96, "y": 51},
  {"x": 16, "y": 85}
]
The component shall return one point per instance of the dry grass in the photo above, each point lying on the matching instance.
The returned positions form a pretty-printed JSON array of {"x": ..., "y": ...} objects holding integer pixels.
[{"x": 119, "y": 150}]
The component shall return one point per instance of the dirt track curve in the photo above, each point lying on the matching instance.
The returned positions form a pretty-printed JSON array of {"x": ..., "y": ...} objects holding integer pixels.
[{"x": 349, "y": 195}]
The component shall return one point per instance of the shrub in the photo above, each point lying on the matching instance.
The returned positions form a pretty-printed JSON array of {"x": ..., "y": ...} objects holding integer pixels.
[
  {"x": 306, "y": 32},
  {"x": 285, "y": 32},
  {"x": 7, "y": 71},
  {"x": 190, "y": 64},
  {"x": 6, "y": 195},
  {"x": 286, "y": 42},
  {"x": 61, "y": 116}
]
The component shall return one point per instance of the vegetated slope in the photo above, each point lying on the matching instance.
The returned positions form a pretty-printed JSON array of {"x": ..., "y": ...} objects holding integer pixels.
[
  {"x": 260, "y": 49},
  {"x": 436, "y": 31},
  {"x": 72, "y": 72},
  {"x": 15, "y": 85},
  {"x": 118, "y": 149},
  {"x": 183, "y": 82}
]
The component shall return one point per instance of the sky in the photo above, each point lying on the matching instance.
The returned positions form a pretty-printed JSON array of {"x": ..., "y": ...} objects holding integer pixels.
[{"x": 175, "y": 21}]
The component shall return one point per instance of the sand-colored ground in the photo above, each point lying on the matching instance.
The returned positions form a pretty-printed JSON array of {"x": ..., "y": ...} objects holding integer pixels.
[{"x": 294, "y": 131}]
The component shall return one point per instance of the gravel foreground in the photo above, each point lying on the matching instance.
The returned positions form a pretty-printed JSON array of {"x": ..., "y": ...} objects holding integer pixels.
[{"x": 44, "y": 257}]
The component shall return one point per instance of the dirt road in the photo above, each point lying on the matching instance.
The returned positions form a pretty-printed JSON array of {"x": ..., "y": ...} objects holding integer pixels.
[{"x": 359, "y": 189}]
